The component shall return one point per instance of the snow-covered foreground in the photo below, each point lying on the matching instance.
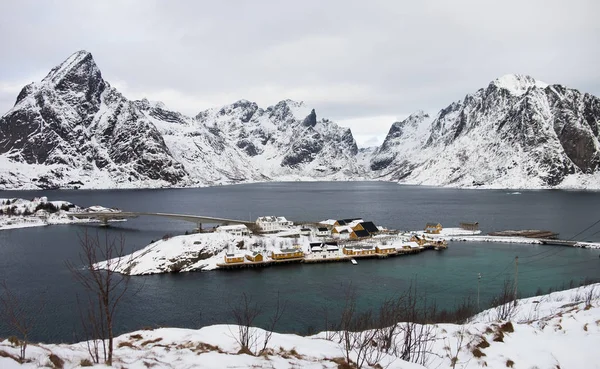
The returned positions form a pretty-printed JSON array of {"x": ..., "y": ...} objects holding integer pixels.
[
  {"x": 21, "y": 213},
  {"x": 559, "y": 330}
]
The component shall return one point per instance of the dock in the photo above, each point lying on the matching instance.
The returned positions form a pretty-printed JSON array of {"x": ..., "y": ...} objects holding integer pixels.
[{"x": 528, "y": 233}]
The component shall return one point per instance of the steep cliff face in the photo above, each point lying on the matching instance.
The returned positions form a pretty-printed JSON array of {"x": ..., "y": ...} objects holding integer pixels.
[
  {"x": 516, "y": 133},
  {"x": 286, "y": 140},
  {"x": 74, "y": 128}
]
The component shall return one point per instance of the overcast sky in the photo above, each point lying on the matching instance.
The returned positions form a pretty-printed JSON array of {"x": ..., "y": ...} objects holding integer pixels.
[{"x": 363, "y": 64}]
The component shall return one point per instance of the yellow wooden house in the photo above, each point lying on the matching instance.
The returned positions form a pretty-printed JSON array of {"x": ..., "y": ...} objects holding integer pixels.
[
  {"x": 433, "y": 228},
  {"x": 255, "y": 257},
  {"x": 233, "y": 258},
  {"x": 284, "y": 254},
  {"x": 359, "y": 250},
  {"x": 385, "y": 249}
]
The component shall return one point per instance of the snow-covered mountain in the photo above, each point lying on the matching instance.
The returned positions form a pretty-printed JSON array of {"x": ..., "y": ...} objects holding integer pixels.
[
  {"x": 516, "y": 133},
  {"x": 72, "y": 129},
  {"x": 286, "y": 140}
]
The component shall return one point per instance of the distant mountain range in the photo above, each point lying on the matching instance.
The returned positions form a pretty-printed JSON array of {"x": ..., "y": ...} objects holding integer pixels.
[{"x": 73, "y": 130}]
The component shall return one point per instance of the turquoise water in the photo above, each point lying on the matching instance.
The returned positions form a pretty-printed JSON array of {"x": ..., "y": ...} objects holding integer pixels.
[{"x": 33, "y": 260}]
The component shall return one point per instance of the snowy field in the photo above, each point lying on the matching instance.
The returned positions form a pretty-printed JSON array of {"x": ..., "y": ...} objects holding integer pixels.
[
  {"x": 559, "y": 330},
  {"x": 39, "y": 212}
]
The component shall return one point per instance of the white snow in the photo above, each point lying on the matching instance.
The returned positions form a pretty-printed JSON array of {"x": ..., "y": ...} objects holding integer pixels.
[
  {"x": 21, "y": 213},
  {"x": 518, "y": 84},
  {"x": 559, "y": 330}
]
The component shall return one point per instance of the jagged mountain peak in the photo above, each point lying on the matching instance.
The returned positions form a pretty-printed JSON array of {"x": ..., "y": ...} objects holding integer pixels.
[
  {"x": 80, "y": 63},
  {"x": 517, "y": 84}
]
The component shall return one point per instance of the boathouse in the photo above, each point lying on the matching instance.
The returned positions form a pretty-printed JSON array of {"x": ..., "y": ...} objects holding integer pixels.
[
  {"x": 233, "y": 258},
  {"x": 433, "y": 228},
  {"x": 469, "y": 226},
  {"x": 256, "y": 256},
  {"x": 385, "y": 249},
  {"x": 284, "y": 254},
  {"x": 359, "y": 250}
]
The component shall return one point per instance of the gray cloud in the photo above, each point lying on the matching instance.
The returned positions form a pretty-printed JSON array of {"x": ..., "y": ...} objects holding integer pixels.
[{"x": 354, "y": 61}]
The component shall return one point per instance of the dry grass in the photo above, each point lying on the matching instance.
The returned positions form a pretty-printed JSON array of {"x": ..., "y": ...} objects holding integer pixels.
[
  {"x": 585, "y": 327},
  {"x": 147, "y": 342},
  {"x": 148, "y": 364},
  {"x": 135, "y": 337},
  {"x": 498, "y": 336},
  {"x": 507, "y": 327},
  {"x": 509, "y": 363},
  {"x": 483, "y": 343},
  {"x": 489, "y": 330},
  {"x": 245, "y": 350},
  {"x": 341, "y": 363},
  {"x": 56, "y": 361},
  {"x": 478, "y": 353},
  {"x": 85, "y": 363},
  {"x": 206, "y": 347},
  {"x": 126, "y": 344},
  {"x": 6, "y": 354}
]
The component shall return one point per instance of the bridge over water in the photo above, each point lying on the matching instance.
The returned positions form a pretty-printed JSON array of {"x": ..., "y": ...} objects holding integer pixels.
[{"x": 106, "y": 216}]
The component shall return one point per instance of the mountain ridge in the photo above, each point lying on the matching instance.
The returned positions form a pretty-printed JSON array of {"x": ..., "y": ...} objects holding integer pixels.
[{"x": 74, "y": 130}]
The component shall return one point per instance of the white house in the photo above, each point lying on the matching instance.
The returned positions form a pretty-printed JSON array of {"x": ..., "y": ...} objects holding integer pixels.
[
  {"x": 236, "y": 230},
  {"x": 323, "y": 232},
  {"x": 272, "y": 223}
]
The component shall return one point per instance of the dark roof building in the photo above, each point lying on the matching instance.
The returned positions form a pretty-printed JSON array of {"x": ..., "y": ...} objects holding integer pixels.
[
  {"x": 369, "y": 227},
  {"x": 362, "y": 233}
]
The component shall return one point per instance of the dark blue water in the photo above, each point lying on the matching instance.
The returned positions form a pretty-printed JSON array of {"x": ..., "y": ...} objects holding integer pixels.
[{"x": 32, "y": 260}]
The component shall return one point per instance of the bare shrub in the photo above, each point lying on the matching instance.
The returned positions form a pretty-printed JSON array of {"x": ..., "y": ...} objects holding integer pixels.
[
  {"x": 105, "y": 289},
  {"x": 17, "y": 318},
  {"x": 245, "y": 313},
  {"x": 85, "y": 363},
  {"x": 505, "y": 303},
  {"x": 509, "y": 363},
  {"x": 273, "y": 321},
  {"x": 589, "y": 296}
]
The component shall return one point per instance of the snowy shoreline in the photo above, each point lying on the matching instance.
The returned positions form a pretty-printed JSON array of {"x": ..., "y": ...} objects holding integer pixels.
[
  {"x": 560, "y": 329},
  {"x": 39, "y": 212}
]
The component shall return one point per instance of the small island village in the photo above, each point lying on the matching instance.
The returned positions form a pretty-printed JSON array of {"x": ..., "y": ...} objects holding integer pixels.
[{"x": 332, "y": 240}]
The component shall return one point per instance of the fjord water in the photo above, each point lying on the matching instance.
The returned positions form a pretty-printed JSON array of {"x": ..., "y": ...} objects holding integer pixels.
[{"x": 32, "y": 260}]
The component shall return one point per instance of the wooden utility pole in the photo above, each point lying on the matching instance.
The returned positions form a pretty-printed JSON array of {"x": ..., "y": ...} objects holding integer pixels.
[{"x": 516, "y": 278}]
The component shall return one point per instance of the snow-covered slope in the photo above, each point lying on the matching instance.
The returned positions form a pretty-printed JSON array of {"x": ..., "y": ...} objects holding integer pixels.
[
  {"x": 287, "y": 140},
  {"x": 559, "y": 330},
  {"x": 516, "y": 133}
]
